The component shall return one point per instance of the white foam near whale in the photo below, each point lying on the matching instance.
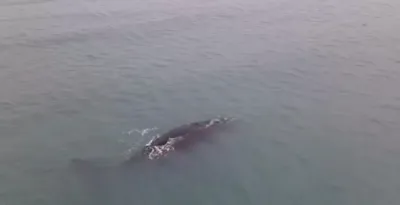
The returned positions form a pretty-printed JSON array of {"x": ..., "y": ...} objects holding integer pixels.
[
  {"x": 134, "y": 146},
  {"x": 142, "y": 132},
  {"x": 159, "y": 151}
]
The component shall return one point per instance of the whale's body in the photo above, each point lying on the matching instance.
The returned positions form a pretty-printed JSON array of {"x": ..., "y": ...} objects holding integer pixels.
[
  {"x": 180, "y": 137},
  {"x": 177, "y": 138}
]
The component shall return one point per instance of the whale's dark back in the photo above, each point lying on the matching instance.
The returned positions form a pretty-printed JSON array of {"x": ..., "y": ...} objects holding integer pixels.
[
  {"x": 176, "y": 132},
  {"x": 188, "y": 130},
  {"x": 182, "y": 137}
]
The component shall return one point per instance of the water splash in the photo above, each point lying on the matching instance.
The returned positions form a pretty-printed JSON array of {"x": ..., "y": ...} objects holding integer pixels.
[
  {"x": 163, "y": 150},
  {"x": 142, "y": 132}
]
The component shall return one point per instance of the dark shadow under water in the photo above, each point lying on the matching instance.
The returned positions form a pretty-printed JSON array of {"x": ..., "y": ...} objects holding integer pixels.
[{"x": 140, "y": 181}]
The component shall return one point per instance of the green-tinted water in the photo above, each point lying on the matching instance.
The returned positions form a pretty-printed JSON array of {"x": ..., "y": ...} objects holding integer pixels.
[{"x": 313, "y": 84}]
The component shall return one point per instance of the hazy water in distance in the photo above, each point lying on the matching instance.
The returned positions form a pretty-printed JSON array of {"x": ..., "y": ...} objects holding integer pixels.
[{"x": 314, "y": 85}]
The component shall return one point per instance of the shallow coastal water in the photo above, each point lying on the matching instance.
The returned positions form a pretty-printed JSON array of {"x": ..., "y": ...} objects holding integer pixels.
[{"x": 313, "y": 84}]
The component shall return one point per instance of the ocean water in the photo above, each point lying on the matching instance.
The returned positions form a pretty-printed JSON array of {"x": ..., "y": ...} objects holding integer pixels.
[{"x": 313, "y": 84}]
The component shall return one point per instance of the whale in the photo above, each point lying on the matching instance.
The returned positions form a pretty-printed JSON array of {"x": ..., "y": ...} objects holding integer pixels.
[{"x": 180, "y": 137}]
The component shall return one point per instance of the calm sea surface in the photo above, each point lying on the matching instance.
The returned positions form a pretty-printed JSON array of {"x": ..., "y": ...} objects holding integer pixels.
[{"x": 314, "y": 85}]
